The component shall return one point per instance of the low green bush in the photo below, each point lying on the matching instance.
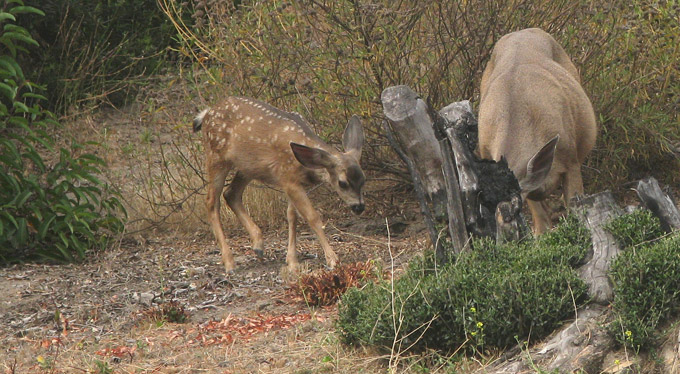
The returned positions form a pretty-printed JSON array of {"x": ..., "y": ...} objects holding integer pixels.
[
  {"x": 635, "y": 228},
  {"x": 58, "y": 208},
  {"x": 646, "y": 279},
  {"x": 489, "y": 296}
]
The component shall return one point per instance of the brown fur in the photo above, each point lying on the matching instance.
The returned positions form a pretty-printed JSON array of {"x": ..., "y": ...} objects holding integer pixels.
[
  {"x": 531, "y": 93},
  {"x": 258, "y": 141}
]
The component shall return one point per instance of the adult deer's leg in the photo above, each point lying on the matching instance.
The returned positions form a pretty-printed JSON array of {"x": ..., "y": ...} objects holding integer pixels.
[
  {"x": 298, "y": 197},
  {"x": 217, "y": 173},
  {"x": 291, "y": 256},
  {"x": 234, "y": 197},
  {"x": 572, "y": 184},
  {"x": 540, "y": 212}
]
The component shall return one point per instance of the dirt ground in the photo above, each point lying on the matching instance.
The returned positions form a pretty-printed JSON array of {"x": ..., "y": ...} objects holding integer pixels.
[
  {"x": 103, "y": 316},
  {"x": 118, "y": 312}
]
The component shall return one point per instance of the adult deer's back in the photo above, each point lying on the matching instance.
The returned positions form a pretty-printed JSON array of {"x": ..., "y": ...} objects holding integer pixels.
[{"x": 534, "y": 113}]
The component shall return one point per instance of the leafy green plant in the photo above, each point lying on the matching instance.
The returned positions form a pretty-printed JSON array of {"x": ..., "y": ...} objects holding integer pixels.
[
  {"x": 54, "y": 209},
  {"x": 486, "y": 297},
  {"x": 646, "y": 279}
]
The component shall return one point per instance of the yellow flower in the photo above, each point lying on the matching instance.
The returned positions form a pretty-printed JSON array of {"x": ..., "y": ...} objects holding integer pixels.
[
  {"x": 617, "y": 362},
  {"x": 479, "y": 325},
  {"x": 473, "y": 310},
  {"x": 41, "y": 360},
  {"x": 629, "y": 333},
  {"x": 473, "y": 333}
]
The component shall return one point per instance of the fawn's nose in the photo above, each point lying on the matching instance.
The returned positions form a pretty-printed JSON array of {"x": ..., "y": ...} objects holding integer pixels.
[{"x": 357, "y": 208}]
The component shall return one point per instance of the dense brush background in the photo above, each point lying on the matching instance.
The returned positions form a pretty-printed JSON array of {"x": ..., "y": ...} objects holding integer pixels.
[{"x": 330, "y": 59}]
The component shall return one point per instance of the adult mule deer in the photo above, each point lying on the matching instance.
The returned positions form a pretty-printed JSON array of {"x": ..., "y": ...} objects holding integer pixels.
[
  {"x": 258, "y": 141},
  {"x": 534, "y": 113}
]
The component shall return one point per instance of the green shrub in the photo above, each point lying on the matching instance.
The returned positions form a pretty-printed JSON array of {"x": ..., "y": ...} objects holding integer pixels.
[
  {"x": 52, "y": 209},
  {"x": 489, "y": 296},
  {"x": 646, "y": 279},
  {"x": 635, "y": 228}
]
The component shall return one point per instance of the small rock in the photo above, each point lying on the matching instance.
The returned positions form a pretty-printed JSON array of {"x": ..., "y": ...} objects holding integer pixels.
[{"x": 144, "y": 298}]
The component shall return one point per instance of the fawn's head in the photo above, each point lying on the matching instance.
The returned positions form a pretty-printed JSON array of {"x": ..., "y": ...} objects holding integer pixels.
[{"x": 344, "y": 172}]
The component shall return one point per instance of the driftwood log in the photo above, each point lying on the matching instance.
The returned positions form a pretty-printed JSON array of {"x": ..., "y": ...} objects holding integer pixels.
[{"x": 659, "y": 203}]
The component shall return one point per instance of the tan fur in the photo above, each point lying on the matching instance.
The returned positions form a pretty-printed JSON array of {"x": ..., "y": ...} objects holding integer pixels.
[
  {"x": 254, "y": 140},
  {"x": 530, "y": 93}
]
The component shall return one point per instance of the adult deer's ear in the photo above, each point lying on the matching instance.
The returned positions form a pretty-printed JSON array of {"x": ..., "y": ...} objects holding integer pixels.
[
  {"x": 313, "y": 158},
  {"x": 539, "y": 166},
  {"x": 353, "y": 138}
]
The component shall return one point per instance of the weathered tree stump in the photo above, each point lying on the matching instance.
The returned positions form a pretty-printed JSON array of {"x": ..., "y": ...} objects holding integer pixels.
[
  {"x": 484, "y": 184},
  {"x": 454, "y": 182},
  {"x": 412, "y": 130}
]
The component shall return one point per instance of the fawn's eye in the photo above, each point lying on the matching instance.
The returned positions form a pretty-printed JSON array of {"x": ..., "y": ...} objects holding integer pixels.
[{"x": 343, "y": 185}]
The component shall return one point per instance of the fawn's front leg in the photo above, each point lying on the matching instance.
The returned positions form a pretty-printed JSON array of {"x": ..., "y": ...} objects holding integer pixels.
[
  {"x": 298, "y": 197},
  {"x": 291, "y": 256}
]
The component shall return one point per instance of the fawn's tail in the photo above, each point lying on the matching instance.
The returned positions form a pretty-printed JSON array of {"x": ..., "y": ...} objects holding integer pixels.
[{"x": 198, "y": 120}]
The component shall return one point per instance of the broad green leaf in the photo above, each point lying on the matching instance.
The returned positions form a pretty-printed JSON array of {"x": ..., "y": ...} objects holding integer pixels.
[
  {"x": 10, "y": 218},
  {"x": 45, "y": 225},
  {"x": 8, "y": 91},
  {"x": 31, "y": 95},
  {"x": 20, "y": 199},
  {"x": 22, "y": 230},
  {"x": 5, "y": 16},
  {"x": 26, "y": 9},
  {"x": 19, "y": 36}
]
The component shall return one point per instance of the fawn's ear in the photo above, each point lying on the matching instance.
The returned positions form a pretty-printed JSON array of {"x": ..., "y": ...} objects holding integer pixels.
[
  {"x": 313, "y": 158},
  {"x": 539, "y": 166},
  {"x": 353, "y": 138}
]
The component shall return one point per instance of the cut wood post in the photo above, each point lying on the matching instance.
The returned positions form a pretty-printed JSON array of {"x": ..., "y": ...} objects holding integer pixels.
[
  {"x": 412, "y": 126},
  {"x": 457, "y": 229},
  {"x": 423, "y": 203},
  {"x": 659, "y": 203}
]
